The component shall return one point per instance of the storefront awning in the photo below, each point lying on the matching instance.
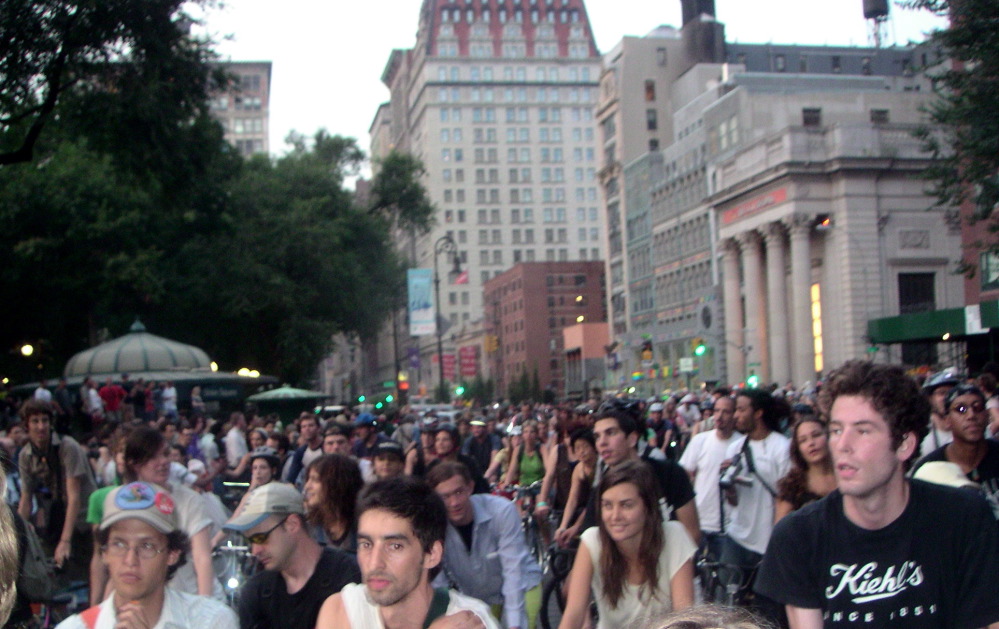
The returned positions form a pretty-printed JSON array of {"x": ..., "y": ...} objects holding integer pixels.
[{"x": 933, "y": 325}]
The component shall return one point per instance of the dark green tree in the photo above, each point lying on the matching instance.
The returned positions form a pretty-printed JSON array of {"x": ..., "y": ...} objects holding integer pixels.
[
  {"x": 964, "y": 134},
  {"x": 114, "y": 58},
  {"x": 398, "y": 195},
  {"x": 298, "y": 263}
]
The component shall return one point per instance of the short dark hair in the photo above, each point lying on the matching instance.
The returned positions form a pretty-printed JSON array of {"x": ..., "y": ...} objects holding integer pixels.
[
  {"x": 35, "y": 407},
  {"x": 336, "y": 429},
  {"x": 282, "y": 441},
  {"x": 412, "y": 500},
  {"x": 890, "y": 391},
  {"x": 625, "y": 422},
  {"x": 582, "y": 433},
  {"x": 176, "y": 540},
  {"x": 141, "y": 445},
  {"x": 763, "y": 401},
  {"x": 446, "y": 470}
]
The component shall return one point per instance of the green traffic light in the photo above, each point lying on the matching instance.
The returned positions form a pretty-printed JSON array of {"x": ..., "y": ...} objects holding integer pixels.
[
  {"x": 379, "y": 405},
  {"x": 360, "y": 398},
  {"x": 700, "y": 350},
  {"x": 389, "y": 398},
  {"x": 753, "y": 381},
  {"x": 459, "y": 390}
]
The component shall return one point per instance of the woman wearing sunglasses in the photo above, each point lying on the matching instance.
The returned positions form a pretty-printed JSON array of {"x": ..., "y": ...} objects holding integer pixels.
[{"x": 966, "y": 417}]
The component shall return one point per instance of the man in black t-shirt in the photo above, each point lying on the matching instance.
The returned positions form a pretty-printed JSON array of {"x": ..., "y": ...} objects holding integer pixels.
[
  {"x": 966, "y": 418},
  {"x": 882, "y": 551},
  {"x": 299, "y": 574},
  {"x": 616, "y": 434}
]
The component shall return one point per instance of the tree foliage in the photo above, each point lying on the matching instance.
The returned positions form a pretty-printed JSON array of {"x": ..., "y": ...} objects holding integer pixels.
[
  {"x": 398, "y": 195},
  {"x": 966, "y": 147},
  {"x": 298, "y": 264},
  {"x": 113, "y": 58}
]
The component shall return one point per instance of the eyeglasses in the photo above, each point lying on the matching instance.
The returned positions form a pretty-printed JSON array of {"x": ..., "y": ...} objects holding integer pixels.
[
  {"x": 261, "y": 538},
  {"x": 974, "y": 407},
  {"x": 145, "y": 550}
]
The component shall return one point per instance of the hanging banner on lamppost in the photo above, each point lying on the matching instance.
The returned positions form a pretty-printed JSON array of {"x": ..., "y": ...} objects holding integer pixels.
[{"x": 421, "y": 303}]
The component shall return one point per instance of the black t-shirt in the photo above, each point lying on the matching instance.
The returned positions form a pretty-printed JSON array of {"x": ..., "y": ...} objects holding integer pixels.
[
  {"x": 986, "y": 474},
  {"x": 265, "y": 602},
  {"x": 934, "y": 566}
]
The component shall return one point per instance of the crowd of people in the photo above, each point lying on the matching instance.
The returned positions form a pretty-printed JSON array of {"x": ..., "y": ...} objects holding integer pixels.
[{"x": 869, "y": 498}]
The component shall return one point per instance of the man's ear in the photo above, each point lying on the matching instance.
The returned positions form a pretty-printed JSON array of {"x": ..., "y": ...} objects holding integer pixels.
[
  {"x": 907, "y": 449},
  {"x": 432, "y": 558},
  {"x": 633, "y": 439},
  {"x": 173, "y": 557}
]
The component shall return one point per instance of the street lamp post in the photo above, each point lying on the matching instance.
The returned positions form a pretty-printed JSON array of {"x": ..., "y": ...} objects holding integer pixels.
[{"x": 444, "y": 244}]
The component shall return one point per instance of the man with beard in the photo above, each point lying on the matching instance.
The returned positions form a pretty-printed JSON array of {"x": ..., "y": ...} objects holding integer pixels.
[{"x": 400, "y": 545}]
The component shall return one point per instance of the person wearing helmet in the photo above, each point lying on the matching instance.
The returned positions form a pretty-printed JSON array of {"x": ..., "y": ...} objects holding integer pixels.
[
  {"x": 367, "y": 436},
  {"x": 446, "y": 445},
  {"x": 936, "y": 388}
]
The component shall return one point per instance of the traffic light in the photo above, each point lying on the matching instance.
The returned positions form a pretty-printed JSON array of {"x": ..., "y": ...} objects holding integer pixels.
[
  {"x": 752, "y": 381},
  {"x": 379, "y": 405},
  {"x": 459, "y": 390},
  {"x": 697, "y": 346},
  {"x": 389, "y": 398},
  {"x": 360, "y": 398}
]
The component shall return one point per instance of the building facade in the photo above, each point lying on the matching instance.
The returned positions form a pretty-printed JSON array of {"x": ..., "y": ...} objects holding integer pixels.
[
  {"x": 497, "y": 99},
  {"x": 782, "y": 211},
  {"x": 528, "y": 307},
  {"x": 243, "y": 110}
]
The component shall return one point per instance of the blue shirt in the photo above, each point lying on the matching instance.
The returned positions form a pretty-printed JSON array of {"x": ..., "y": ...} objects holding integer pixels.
[{"x": 499, "y": 568}]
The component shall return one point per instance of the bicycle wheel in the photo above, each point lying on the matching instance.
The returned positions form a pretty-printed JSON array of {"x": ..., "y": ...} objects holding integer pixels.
[{"x": 552, "y": 604}]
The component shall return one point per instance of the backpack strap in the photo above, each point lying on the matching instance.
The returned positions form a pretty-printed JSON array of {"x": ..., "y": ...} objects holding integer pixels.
[
  {"x": 438, "y": 606},
  {"x": 89, "y": 616}
]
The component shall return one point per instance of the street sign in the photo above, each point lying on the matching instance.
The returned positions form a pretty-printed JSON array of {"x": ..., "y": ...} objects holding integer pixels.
[{"x": 686, "y": 364}]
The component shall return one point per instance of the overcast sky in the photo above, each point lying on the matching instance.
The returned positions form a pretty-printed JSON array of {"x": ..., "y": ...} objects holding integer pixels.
[{"x": 328, "y": 57}]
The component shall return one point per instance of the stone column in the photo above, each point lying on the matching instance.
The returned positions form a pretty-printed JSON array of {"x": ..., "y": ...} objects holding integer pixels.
[
  {"x": 757, "y": 351},
  {"x": 780, "y": 356},
  {"x": 735, "y": 358},
  {"x": 801, "y": 299}
]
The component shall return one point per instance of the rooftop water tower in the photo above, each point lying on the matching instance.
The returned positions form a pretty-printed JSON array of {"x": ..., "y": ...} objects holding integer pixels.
[{"x": 876, "y": 14}]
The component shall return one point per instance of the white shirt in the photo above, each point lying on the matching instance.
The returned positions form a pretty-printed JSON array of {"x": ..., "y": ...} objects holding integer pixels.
[
  {"x": 752, "y": 520},
  {"x": 235, "y": 446},
  {"x": 637, "y": 607},
  {"x": 169, "y": 399},
  {"x": 363, "y": 614},
  {"x": 180, "y": 611},
  {"x": 703, "y": 458},
  {"x": 43, "y": 395}
]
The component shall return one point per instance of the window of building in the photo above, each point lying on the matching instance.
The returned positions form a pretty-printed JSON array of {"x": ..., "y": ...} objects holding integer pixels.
[
  {"x": 837, "y": 64},
  {"x": 879, "y": 116},
  {"x": 811, "y": 117},
  {"x": 651, "y": 120},
  {"x": 650, "y": 91}
]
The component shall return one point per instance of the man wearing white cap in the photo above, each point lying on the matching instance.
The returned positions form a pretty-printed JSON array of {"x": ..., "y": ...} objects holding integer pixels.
[
  {"x": 142, "y": 545},
  {"x": 299, "y": 574}
]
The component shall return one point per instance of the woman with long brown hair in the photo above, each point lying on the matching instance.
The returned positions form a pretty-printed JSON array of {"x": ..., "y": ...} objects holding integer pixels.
[
  {"x": 638, "y": 565},
  {"x": 811, "y": 475},
  {"x": 332, "y": 483}
]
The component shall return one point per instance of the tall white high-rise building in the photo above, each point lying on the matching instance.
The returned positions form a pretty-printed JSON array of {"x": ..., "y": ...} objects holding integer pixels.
[{"x": 497, "y": 98}]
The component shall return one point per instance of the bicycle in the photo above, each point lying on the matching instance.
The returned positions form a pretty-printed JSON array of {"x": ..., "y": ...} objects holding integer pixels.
[
  {"x": 723, "y": 583},
  {"x": 234, "y": 565},
  {"x": 524, "y": 497},
  {"x": 558, "y": 565}
]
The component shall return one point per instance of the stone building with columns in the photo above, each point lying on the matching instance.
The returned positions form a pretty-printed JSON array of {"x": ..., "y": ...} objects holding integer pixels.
[
  {"x": 823, "y": 221},
  {"x": 784, "y": 214}
]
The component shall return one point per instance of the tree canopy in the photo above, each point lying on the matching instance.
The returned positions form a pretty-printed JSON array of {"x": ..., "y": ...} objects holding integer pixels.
[
  {"x": 114, "y": 58},
  {"x": 964, "y": 134}
]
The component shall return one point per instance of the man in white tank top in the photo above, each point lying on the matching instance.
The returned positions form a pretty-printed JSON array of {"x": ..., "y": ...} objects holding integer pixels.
[{"x": 400, "y": 544}]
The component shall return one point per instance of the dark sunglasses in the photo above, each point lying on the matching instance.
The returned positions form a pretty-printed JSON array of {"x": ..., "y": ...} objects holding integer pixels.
[{"x": 261, "y": 538}]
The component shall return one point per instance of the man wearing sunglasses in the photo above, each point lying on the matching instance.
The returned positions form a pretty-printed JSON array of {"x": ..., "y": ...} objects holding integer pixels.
[
  {"x": 142, "y": 545},
  {"x": 966, "y": 418},
  {"x": 298, "y": 573}
]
